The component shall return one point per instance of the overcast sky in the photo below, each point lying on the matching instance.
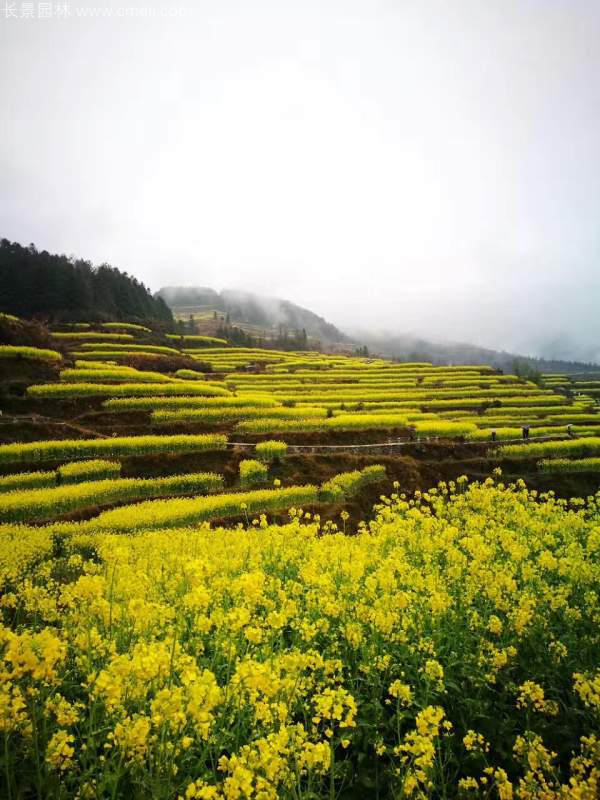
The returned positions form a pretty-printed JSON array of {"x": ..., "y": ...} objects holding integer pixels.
[{"x": 427, "y": 167}]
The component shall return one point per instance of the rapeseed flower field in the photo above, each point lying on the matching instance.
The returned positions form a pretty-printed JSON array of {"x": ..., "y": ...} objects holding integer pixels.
[{"x": 448, "y": 648}]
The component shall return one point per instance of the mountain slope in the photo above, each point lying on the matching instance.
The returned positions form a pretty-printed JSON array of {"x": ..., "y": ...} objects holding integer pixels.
[
  {"x": 411, "y": 348},
  {"x": 254, "y": 309}
]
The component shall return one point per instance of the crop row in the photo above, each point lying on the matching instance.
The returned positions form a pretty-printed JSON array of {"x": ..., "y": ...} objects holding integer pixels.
[
  {"x": 234, "y": 355},
  {"x": 510, "y": 415},
  {"x": 27, "y": 480},
  {"x": 125, "y": 326},
  {"x": 75, "y": 472},
  {"x": 110, "y": 356},
  {"x": 233, "y": 414},
  {"x": 346, "y": 484},
  {"x": 565, "y": 465},
  {"x": 114, "y": 447},
  {"x": 515, "y": 420},
  {"x": 33, "y": 353},
  {"x": 303, "y": 392},
  {"x": 348, "y": 364},
  {"x": 200, "y": 341},
  {"x": 190, "y": 375},
  {"x": 460, "y": 388},
  {"x": 542, "y": 410},
  {"x": 42, "y": 504},
  {"x": 423, "y": 425},
  {"x": 343, "y": 422},
  {"x": 68, "y": 390},
  {"x": 257, "y": 351},
  {"x": 94, "y": 470},
  {"x": 147, "y": 348},
  {"x": 516, "y": 432},
  {"x": 399, "y": 400},
  {"x": 364, "y": 375},
  {"x": 110, "y": 374},
  {"x": 103, "y": 365},
  {"x": 181, "y": 512},
  {"x": 92, "y": 336},
  {"x": 476, "y": 402},
  {"x": 443, "y": 428},
  {"x": 384, "y": 408},
  {"x": 569, "y": 447},
  {"x": 271, "y": 450},
  {"x": 252, "y": 472},
  {"x": 161, "y": 402}
]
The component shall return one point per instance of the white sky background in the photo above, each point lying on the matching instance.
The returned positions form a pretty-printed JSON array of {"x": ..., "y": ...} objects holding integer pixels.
[{"x": 425, "y": 167}]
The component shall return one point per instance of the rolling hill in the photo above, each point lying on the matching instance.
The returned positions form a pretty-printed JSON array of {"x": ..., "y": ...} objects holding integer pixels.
[{"x": 269, "y": 313}]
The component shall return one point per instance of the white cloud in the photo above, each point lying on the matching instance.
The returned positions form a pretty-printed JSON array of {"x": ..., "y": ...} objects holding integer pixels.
[{"x": 430, "y": 166}]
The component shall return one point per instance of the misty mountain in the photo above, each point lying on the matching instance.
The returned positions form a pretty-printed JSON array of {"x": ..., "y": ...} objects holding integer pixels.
[
  {"x": 246, "y": 307},
  {"x": 412, "y": 348}
]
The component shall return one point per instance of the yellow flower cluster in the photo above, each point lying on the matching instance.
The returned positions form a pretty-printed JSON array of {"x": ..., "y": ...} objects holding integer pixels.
[{"x": 449, "y": 648}]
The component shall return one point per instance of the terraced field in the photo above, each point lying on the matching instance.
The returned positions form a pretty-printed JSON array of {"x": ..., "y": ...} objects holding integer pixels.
[
  {"x": 224, "y": 574},
  {"x": 124, "y": 386}
]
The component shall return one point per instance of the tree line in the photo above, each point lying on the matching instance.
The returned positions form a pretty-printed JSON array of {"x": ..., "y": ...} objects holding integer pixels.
[{"x": 35, "y": 283}]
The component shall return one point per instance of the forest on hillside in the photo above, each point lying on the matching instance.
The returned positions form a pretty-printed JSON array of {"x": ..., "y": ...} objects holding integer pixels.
[{"x": 35, "y": 283}]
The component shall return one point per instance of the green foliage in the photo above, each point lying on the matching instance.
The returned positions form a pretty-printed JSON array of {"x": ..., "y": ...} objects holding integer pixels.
[
  {"x": 111, "y": 346},
  {"x": 186, "y": 402},
  {"x": 94, "y": 470},
  {"x": 443, "y": 428},
  {"x": 198, "y": 341},
  {"x": 37, "y": 283},
  {"x": 190, "y": 374},
  {"x": 485, "y": 434},
  {"x": 252, "y": 472},
  {"x": 553, "y": 465},
  {"x": 27, "y": 480},
  {"x": 343, "y": 422},
  {"x": 32, "y": 353},
  {"x": 346, "y": 484},
  {"x": 89, "y": 336},
  {"x": 41, "y": 504},
  {"x": 190, "y": 511},
  {"x": 525, "y": 370},
  {"x": 567, "y": 447},
  {"x": 271, "y": 450},
  {"x": 452, "y": 638},
  {"x": 119, "y": 446},
  {"x": 125, "y": 326},
  {"x": 231, "y": 414},
  {"x": 66, "y": 390},
  {"x": 112, "y": 374}
]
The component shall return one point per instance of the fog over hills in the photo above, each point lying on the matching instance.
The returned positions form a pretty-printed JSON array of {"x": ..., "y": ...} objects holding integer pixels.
[
  {"x": 426, "y": 168},
  {"x": 536, "y": 326},
  {"x": 272, "y": 312},
  {"x": 252, "y": 308}
]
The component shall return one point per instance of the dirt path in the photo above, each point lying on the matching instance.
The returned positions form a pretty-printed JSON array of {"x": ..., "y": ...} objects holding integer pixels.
[{"x": 38, "y": 419}]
